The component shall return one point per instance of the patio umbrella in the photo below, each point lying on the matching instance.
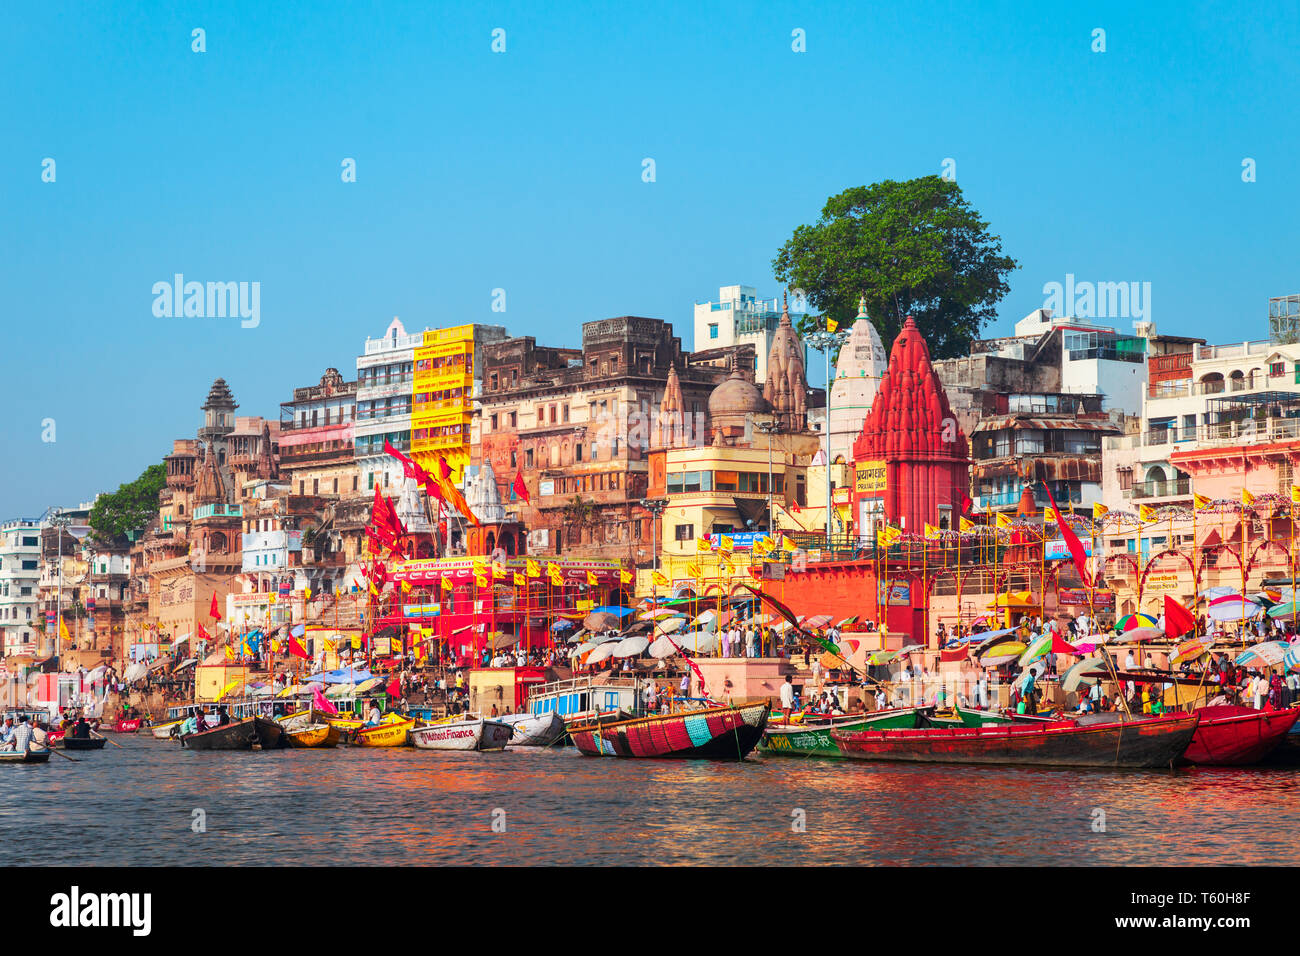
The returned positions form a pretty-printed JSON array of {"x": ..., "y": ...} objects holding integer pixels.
[
  {"x": 1037, "y": 648},
  {"x": 657, "y": 613},
  {"x": 817, "y": 620},
  {"x": 600, "y": 653},
  {"x": 1286, "y": 609},
  {"x": 1002, "y": 653},
  {"x": 670, "y": 625},
  {"x": 612, "y": 609},
  {"x": 1130, "y": 621},
  {"x": 661, "y": 648},
  {"x": 1234, "y": 610},
  {"x": 1078, "y": 673},
  {"x": 845, "y": 622},
  {"x": 601, "y": 621},
  {"x": 1291, "y": 659},
  {"x": 1263, "y": 654},
  {"x": 631, "y": 646},
  {"x": 1142, "y": 634},
  {"x": 910, "y": 648},
  {"x": 562, "y": 625},
  {"x": 1189, "y": 651},
  {"x": 989, "y": 638},
  {"x": 883, "y": 657},
  {"x": 697, "y": 642}
]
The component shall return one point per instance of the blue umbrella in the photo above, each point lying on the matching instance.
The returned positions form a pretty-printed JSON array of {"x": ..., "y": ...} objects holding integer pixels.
[
  {"x": 613, "y": 609},
  {"x": 297, "y": 630},
  {"x": 561, "y": 625}
]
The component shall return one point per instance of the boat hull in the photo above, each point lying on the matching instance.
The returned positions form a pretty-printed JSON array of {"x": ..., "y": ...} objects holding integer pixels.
[
  {"x": 814, "y": 740},
  {"x": 721, "y": 733},
  {"x": 1235, "y": 736},
  {"x": 1158, "y": 742},
  {"x": 165, "y": 731},
  {"x": 534, "y": 730},
  {"x": 239, "y": 735},
  {"x": 384, "y": 735},
  {"x": 31, "y": 756},
  {"x": 83, "y": 743},
  {"x": 464, "y": 735},
  {"x": 316, "y": 735},
  {"x": 123, "y": 726}
]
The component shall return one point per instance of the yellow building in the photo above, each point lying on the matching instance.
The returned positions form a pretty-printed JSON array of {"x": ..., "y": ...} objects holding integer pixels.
[{"x": 442, "y": 399}]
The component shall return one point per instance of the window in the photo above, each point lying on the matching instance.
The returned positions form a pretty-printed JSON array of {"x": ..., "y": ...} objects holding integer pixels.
[
  {"x": 513, "y": 419},
  {"x": 713, "y": 330},
  {"x": 528, "y": 458},
  {"x": 493, "y": 426},
  {"x": 493, "y": 386},
  {"x": 29, "y": 565},
  {"x": 564, "y": 412},
  {"x": 29, "y": 542},
  {"x": 577, "y": 453},
  {"x": 1277, "y": 368},
  {"x": 684, "y": 532}
]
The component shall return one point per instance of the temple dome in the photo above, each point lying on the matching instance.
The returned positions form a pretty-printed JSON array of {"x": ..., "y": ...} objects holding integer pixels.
[{"x": 736, "y": 396}]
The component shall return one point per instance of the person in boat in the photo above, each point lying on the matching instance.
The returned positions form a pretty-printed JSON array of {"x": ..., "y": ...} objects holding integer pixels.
[
  {"x": 40, "y": 737},
  {"x": 373, "y": 716},
  {"x": 787, "y": 698},
  {"x": 223, "y": 717},
  {"x": 7, "y": 734},
  {"x": 22, "y": 735},
  {"x": 80, "y": 730}
]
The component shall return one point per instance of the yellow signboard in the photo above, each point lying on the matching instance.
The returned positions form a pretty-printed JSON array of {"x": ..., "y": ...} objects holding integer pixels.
[{"x": 870, "y": 477}]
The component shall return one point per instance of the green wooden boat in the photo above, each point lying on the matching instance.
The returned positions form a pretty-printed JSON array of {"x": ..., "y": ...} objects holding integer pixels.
[
  {"x": 813, "y": 739},
  {"x": 969, "y": 717}
]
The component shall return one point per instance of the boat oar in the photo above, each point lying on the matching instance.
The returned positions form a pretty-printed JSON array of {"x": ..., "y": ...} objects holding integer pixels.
[
  {"x": 62, "y": 754},
  {"x": 110, "y": 740}
]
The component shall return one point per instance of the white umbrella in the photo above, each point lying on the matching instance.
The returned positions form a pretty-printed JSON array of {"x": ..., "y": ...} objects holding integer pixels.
[
  {"x": 183, "y": 638},
  {"x": 135, "y": 672},
  {"x": 910, "y": 648},
  {"x": 662, "y": 648},
  {"x": 698, "y": 642},
  {"x": 670, "y": 626},
  {"x": 97, "y": 673},
  {"x": 705, "y": 617},
  {"x": 600, "y": 653},
  {"x": 1229, "y": 611},
  {"x": 631, "y": 646},
  {"x": 1141, "y": 634}
]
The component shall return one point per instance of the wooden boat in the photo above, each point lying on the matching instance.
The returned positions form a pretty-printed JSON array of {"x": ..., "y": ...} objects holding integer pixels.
[
  {"x": 165, "y": 731},
  {"x": 31, "y": 756},
  {"x": 1158, "y": 742},
  {"x": 121, "y": 726},
  {"x": 391, "y": 734},
  {"x": 303, "y": 732},
  {"x": 812, "y": 737},
  {"x": 725, "y": 732},
  {"x": 270, "y": 735},
  {"x": 533, "y": 730},
  {"x": 236, "y": 735},
  {"x": 464, "y": 733},
  {"x": 1231, "y": 736},
  {"x": 83, "y": 743}
]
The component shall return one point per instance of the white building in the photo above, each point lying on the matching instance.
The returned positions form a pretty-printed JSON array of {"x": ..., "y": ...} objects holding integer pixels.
[
  {"x": 20, "y": 571},
  {"x": 1095, "y": 359},
  {"x": 861, "y": 365},
  {"x": 737, "y": 318},
  {"x": 384, "y": 377}
]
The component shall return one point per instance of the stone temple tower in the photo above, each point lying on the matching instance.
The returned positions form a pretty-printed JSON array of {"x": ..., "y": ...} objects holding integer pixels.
[{"x": 786, "y": 389}]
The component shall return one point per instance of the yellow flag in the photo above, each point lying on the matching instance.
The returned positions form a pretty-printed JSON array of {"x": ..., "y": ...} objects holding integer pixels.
[
  {"x": 552, "y": 568},
  {"x": 534, "y": 569},
  {"x": 660, "y": 580},
  {"x": 1200, "y": 501},
  {"x": 965, "y": 524},
  {"x": 1048, "y": 515},
  {"x": 931, "y": 532},
  {"x": 892, "y": 534},
  {"x": 881, "y": 540},
  {"x": 447, "y": 585},
  {"x": 726, "y": 544},
  {"x": 693, "y": 570},
  {"x": 520, "y": 580},
  {"x": 591, "y": 578},
  {"x": 63, "y": 629},
  {"x": 230, "y": 653},
  {"x": 270, "y": 598},
  {"x": 1146, "y": 513},
  {"x": 1003, "y": 520},
  {"x": 406, "y": 587},
  {"x": 374, "y": 590},
  {"x": 625, "y": 577},
  {"x": 1099, "y": 510},
  {"x": 1246, "y": 497},
  {"x": 356, "y": 643},
  {"x": 831, "y": 324},
  {"x": 762, "y": 545},
  {"x": 703, "y": 544},
  {"x": 726, "y": 568},
  {"x": 787, "y": 543},
  {"x": 306, "y": 594},
  {"x": 481, "y": 580},
  {"x": 498, "y": 570},
  {"x": 1295, "y": 494}
]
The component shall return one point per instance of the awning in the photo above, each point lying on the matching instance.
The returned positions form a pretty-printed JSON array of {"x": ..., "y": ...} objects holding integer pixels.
[{"x": 751, "y": 509}]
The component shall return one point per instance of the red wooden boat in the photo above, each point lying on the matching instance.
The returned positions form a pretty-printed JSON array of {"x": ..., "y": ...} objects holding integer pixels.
[
  {"x": 727, "y": 732},
  {"x": 1158, "y": 742},
  {"x": 1230, "y": 736}
]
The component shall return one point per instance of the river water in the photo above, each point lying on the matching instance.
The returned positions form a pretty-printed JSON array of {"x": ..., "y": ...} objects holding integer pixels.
[{"x": 143, "y": 804}]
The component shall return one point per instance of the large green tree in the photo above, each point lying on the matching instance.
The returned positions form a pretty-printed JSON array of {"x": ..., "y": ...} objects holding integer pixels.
[
  {"x": 130, "y": 508},
  {"x": 911, "y": 248}
]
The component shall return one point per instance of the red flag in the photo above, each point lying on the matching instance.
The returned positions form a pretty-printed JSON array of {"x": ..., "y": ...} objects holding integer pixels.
[
  {"x": 444, "y": 469},
  {"x": 1061, "y": 646},
  {"x": 1071, "y": 541},
  {"x": 296, "y": 649},
  {"x": 203, "y": 633},
  {"x": 214, "y": 611},
  {"x": 794, "y": 507},
  {"x": 1178, "y": 620},
  {"x": 521, "y": 489},
  {"x": 965, "y": 504}
]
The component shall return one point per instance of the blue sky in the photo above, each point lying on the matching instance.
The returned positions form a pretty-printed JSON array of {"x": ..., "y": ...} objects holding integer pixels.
[{"x": 522, "y": 171}]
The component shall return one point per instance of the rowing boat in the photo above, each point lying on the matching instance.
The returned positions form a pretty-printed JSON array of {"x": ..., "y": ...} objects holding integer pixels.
[
  {"x": 83, "y": 743},
  {"x": 389, "y": 734},
  {"x": 812, "y": 738},
  {"x": 1158, "y": 742},
  {"x": 31, "y": 756},
  {"x": 236, "y": 735},
  {"x": 725, "y": 732},
  {"x": 534, "y": 730},
  {"x": 1234, "y": 736},
  {"x": 473, "y": 733},
  {"x": 164, "y": 731},
  {"x": 312, "y": 735}
]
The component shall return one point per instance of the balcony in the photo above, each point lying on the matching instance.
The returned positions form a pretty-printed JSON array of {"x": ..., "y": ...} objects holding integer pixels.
[
  {"x": 1159, "y": 489},
  {"x": 218, "y": 511}
]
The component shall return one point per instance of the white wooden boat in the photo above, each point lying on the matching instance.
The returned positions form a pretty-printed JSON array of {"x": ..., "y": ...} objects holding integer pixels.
[
  {"x": 534, "y": 730},
  {"x": 471, "y": 733}
]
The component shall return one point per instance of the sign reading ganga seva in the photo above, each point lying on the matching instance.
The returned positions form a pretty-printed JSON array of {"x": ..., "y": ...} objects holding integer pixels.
[{"x": 870, "y": 477}]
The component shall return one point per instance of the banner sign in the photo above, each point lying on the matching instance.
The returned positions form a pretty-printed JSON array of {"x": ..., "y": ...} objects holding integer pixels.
[{"x": 870, "y": 477}]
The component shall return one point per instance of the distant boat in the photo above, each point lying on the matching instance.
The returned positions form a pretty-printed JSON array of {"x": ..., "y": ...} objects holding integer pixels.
[
  {"x": 1158, "y": 742},
  {"x": 1234, "y": 736},
  {"x": 83, "y": 743},
  {"x": 723, "y": 732},
  {"x": 165, "y": 731},
  {"x": 123, "y": 726},
  {"x": 304, "y": 730},
  {"x": 473, "y": 733},
  {"x": 961, "y": 716},
  {"x": 388, "y": 734},
  {"x": 812, "y": 737},
  {"x": 236, "y": 735},
  {"x": 534, "y": 730}
]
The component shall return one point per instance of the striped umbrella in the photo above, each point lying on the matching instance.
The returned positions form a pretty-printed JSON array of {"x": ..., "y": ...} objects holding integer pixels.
[
  {"x": 1130, "y": 621},
  {"x": 1291, "y": 658},
  {"x": 1078, "y": 673},
  {"x": 1037, "y": 648},
  {"x": 883, "y": 657},
  {"x": 1003, "y": 653},
  {"x": 1263, "y": 654},
  {"x": 845, "y": 622},
  {"x": 1189, "y": 651},
  {"x": 817, "y": 620}
]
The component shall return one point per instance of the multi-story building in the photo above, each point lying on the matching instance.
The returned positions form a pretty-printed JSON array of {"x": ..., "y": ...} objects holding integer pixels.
[
  {"x": 739, "y": 317},
  {"x": 578, "y": 423},
  {"x": 20, "y": 571},
  {"x": 317, "y": 432},
  {"x": 385, "y": 375},
  {"x": 446, "y": 386}
]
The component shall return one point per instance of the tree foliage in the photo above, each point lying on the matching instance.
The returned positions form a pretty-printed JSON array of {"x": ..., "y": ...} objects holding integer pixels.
[
  {"x": 911, "y": 248},
  {"x": 130, "y": 508}
]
